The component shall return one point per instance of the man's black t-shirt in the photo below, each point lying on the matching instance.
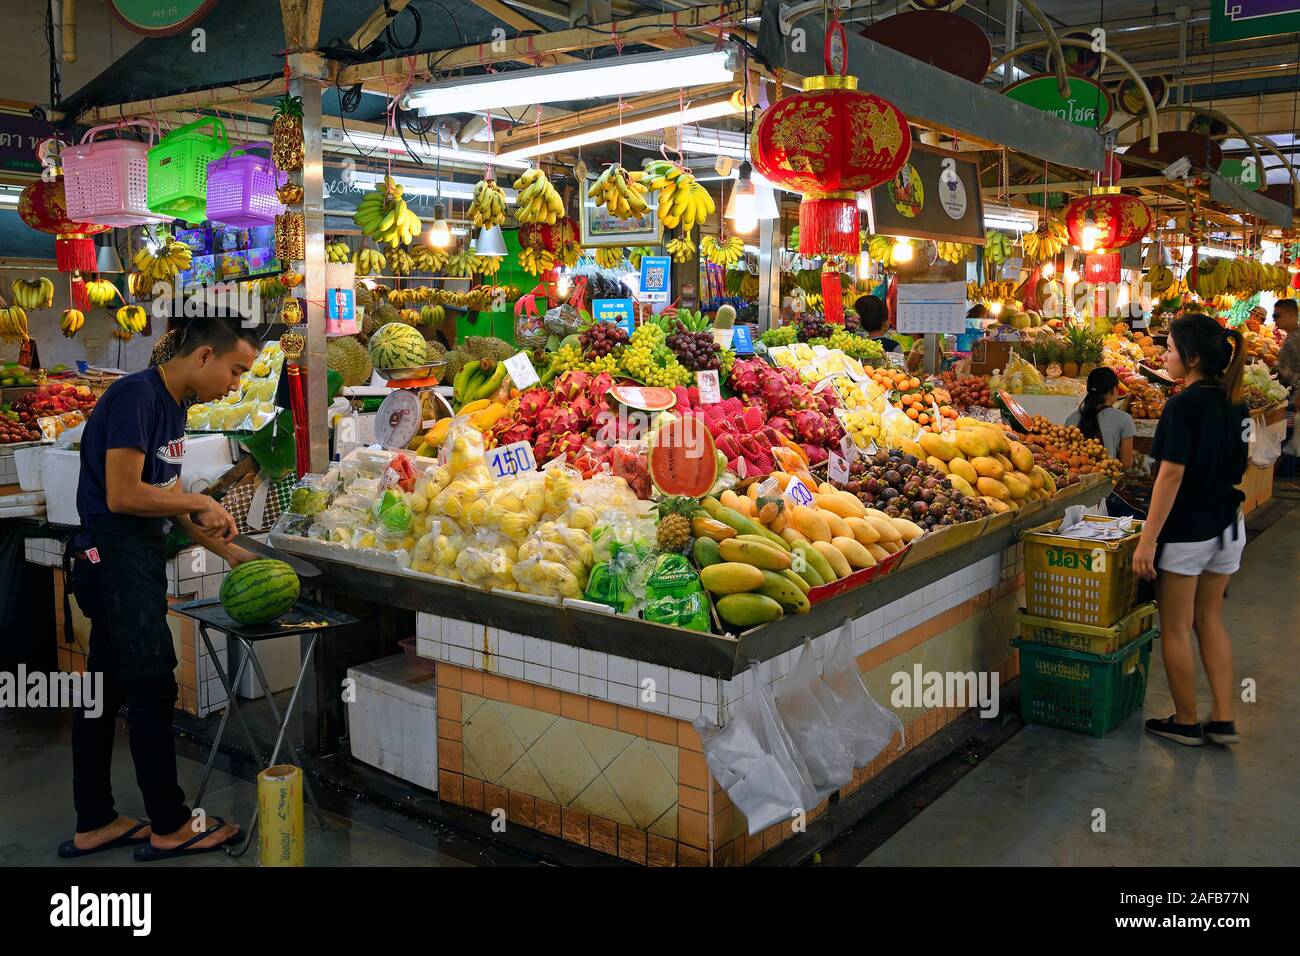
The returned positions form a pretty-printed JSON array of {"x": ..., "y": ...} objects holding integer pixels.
[
  {"x": 136, "y": 411},
  {"x": 1201, "y": 430}
]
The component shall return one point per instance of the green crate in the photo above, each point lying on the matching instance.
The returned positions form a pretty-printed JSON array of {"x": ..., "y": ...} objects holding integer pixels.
[
  {"x": 1087, "y": 693},
  {"x": 178, "y": 169},
  {"x": 1083, "y": 637}
]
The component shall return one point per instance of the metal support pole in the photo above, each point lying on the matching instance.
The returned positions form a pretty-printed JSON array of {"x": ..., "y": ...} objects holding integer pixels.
[
  {"x": 1008, "y": 73},
  {"x": 769, "y": 273}
]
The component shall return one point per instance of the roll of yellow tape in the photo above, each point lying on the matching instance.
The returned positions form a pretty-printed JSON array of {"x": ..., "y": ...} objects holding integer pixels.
[{"x": 279, "y": 801}]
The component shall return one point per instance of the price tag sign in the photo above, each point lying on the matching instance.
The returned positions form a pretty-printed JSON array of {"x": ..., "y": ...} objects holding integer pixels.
[
  {"x": 511, "y": 460},
  {"x": 656, "y": 278},
  {"x": 742, "y": 340},
  {"x": 722, "y": 338},
  {"x": 798, "y": 492},
  {"x": 742, "y": 469},
  {"x": 521, "y": 371},
  {"x": 838, "y": 469},
  {"x": 897, "y": 358},
  {"x": 618, "y": 311},
  {"x": 710, "y": 391},
  {"x": 848, "y": 447}
]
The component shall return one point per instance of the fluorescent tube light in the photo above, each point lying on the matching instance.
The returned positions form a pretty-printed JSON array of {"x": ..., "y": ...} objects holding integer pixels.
[
  {"x": 713, "y": 142},
  {"x": 998, "y": 216},
  {"x": 706, "y": 109},
  {"x": 1216, "y": 253},
  {"x": 335, "y": 139},
  {"x": 429, "y": 187},
  {"x": 614, "y": 76}
]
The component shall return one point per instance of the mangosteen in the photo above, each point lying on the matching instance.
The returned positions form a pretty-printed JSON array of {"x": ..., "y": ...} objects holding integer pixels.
[
  {"x": 872, "y": 485},
  {"x": 927, "y": 495},
  {"x": 906, "y": 471},
  {"x": 919, "y": 507},
  {"x": 939, "y": 501},
  {"x": 889, "y": 494},
  {"x": 910, "y": 459},
  {"x": 882, "y": 458},
  {"x": 912, "y": 489},
  {"x": 933, "y": 483},
  {"x": 853, "y": 487},
  {"x": 893, "y": 477}
]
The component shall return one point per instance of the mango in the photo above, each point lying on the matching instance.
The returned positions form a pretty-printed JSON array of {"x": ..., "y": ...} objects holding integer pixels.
[
  {"x": 791, "y": 536},
  {"x": 996, "y": 504},
  {"x": 997, "y": 439},
  {"x": 764, "y": 556},
  {"x": 1016, "y": 484},
  {"x": 834, "y": 557},
  {"x": 790, "y": 596},
  {"x": 796, "y": 580},
  {"x": 972, "y": 444},
  {"x": 937, "y": 446},
  {"x": 836, "y": 524},
  {"x": 1049, "y": 483},
  {"x": 813, "y": 559},
  {"x": 1021, "y": 457},
  {"x": 909, "y": 447},
  {"x": 993, "y": 488},
  {"x": 863, "y": 530},
  {"x": 736, "y": 520},
  {"x": 877, "y": 552},
  {"x": 731, "y": 577},
  {"x": 1004, "y": 461},
  {"x": 809, "y": 575},
  {"x": 938, "y": 464},
  {"x": 854, "y": 552},
  {"x": 767, "y": 542},
  {"x": 986, "y": 467},
  {"x": 841, "y": 503},
  {"x": 910, "y": 529},
  {"x": 730, "y": 499},
  {"x": 885, "y": 529},
  {"x": 810, "y": 523},
  {"x": 705, "y": 552},
  {"x": 703, "y": 526},
  {"x": 748, "y": 610},
  {"x": 963, "y": 486},
  {"x": 964, "y": 469}
]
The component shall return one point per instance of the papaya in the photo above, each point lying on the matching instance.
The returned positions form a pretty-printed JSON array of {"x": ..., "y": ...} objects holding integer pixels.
[
  {"x": 731, "y": 577},
  {"x": 964, "y": 469},
  {"x": 986, "y": 467},
  {"x": 796, "y": 580},
  {"x": 993, "y": 489},
  {"x": 1004, "y": 461},
  {"x": 972, "y": 444},
  {"x": 997, "y": 439},
  {"x": 809, "y": 574},
  {"x": 834, "y": 557},
  {"x": 752, "y": 491},
  {"x": 863, "y": 530},
  {"x": 764, "y": 556},
  {"x": 810, "y": 523},
  {"x": 703, "y": 526},
  {"x": 938, "y": 464},
  {"x": 789, "y": 596},
  {"x": 813, "y": 559},
  {"x": 748, "y": 610},
  {"x": 1021, "y": 457},
  {"x": 937, "y": 446},
  {"x": 910, "y": 529},
  {"x": 705, "y": 552},
  {"x": 836, "y": 524},
  {"x": 1016, "y": 484},
  {"x": 854, "y": 552},
  {"x": 962, "y": 485}
]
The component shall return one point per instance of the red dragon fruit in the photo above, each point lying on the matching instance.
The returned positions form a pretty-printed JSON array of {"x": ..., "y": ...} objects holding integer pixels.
[
  {"x": 584, "y": 408},
  {"x": 816, "y": 453},
  {"x": 812, "y": 426},
  {"x": 781, "y": 426},
  {"x": 598, "y": 386},
  {"x": 571, "y": 384},
  {"x": 532, "y": 403}
]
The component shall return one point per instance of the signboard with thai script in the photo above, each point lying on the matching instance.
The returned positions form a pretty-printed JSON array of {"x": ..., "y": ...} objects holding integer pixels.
[
  {"x": 1249, "y": 19},
  {"x": 1088, "y": 104}
]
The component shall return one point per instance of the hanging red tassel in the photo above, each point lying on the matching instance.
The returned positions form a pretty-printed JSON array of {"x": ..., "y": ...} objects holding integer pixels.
[
  {"x": 80, "y": 298},
  {"x": 301, "y": 424},
  {"x": 832, "y": 296},
  {"x": 1101, "y": 267},
  {"x": 829, "y": 226},
  {"x": 74, "y": 253}
]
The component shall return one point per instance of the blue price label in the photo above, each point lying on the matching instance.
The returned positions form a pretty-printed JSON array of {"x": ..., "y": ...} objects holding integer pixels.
[
  {"x": 511, "y": 460},
  {"x": 618, "y": 311},
  {"x": 742, "y": 340},
  {"x": 341, "y": 304},
  {"x": 656, "y": 278},
  {"x": 798, "y": 492}
]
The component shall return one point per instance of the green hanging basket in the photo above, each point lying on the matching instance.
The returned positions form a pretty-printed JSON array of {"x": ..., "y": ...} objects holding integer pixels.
[{"x": 178, "y": 169}]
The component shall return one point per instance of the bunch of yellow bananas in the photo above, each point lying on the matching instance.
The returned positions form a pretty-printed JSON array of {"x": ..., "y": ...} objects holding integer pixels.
[
  {"x": 270, "y": 287},
  {"x": 488, "y": 207},
  {"x": 337, "y": 251},
  {"x": 1047, "y": 240},
  {"x": 880, "y": 248},
  {"x": 33, "y": 294},
  {"x": 162, "y": 265},
  {"x": 489, "y": 265},
  {"x": 71, "y": 321},
  {"x": 537, "y": 200},
  {"x": 955, "y": 252},
  {"x": 997, "y": 247},
  {"x": 724, "y": 253},
  {"x": 749, "y": 286},
  {"x": 463, "y": 263},
  {"x": 608, "y": 257},
  {"x": 369, "y": 262},
  {"x": 427, "y": 259},
  {"x": 682, "y": 201},
  {"x": 620, "y": 192},
  {"x": 535, "y": 261},
  {"x": 682, "y": 249},
  {"x": 383, "y": 215},
  {"x": 400, "y": 261},
  {"x": 13, "y": 324},
  {"x": 1161, "y": 280},
  {"x": 568, "y": 253},
  {"x": 100, "y": 292},
  {"x": 130, "y": 319}
]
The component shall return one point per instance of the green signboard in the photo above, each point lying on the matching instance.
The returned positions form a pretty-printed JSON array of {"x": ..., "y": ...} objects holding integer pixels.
[
  {"x": 159, "y": 18},
  {"x": 1248, "y": 19},
  {"x": 1244, "y": 172},
  {"x": 1088, "y": 105}
]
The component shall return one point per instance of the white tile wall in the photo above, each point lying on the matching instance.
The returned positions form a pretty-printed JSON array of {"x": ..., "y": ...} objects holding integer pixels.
[{"x": 44, "y": 551}]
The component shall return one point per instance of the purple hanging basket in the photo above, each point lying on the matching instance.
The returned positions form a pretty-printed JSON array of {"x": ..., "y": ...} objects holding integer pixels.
[{"x": 241, "y": 188}]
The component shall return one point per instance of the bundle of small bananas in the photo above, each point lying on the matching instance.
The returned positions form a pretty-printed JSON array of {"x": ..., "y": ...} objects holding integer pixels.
[
  {"x": 1161, "y": 280},
  {"x": 463, "y": 263},
  {"x": 337, "y": 251},
  {"x": 620, "y": 192},
  {"x": 682, "y": 201},
  {"x": 997, "y": 247},
  {"x": 749, "y": 286},
  {"x": 608, "y": 257},
  {"x": 13, "y": 324},
  {"x": 100, "y": 292},
  {"x": 71, "y": 321},
  {"x": 568, "y": 252},
  {"x": 488, "y": 207},
  {"x": 536, "y": 260},
  {"x": 681, "y": 248},
  {"x": 881, "y": 249},
  {"x": 130, "y": 319},
  {"x": 426, "y": 258},
  {"x": 1047, "y": 240},
  {"x": 433, "y": 315},
  {"x": 33, "y": 294},
  {"x": 270, "y": 287},
  {"x": 489, "y": 265},
  {"x": 369, "y": 262},
  {"x": 635, "y": 255},
  {"x": 138, "y": 285},
  {"x": 724, "y": 253},
  {"x": 400, "y": 297},
  {"x": 170, "y": 258},
  {"x": 537, "y": 200},
  {"x": 400, "y": 261},
  {"x": 955, "y": 252},
  {"x": 383, "y": 215}
]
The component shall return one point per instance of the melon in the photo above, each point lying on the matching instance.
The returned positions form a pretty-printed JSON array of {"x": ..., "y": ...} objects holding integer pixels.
[
  {"x": 646, "y": 398},
  {"x": 682, "y": 459},
  {"x": 259, "y": 591},
  {"x": 397, "y": 345}
]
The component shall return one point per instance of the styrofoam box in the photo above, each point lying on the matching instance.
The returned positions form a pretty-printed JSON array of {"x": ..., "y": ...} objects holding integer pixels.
[
  {"x": 60, "y": 475},
  {"x": 393, "y": 723},
  {"x": 28, "y": 459},
  {"x": 280, "y": 658},
  {"x": 206, "y": 454}
]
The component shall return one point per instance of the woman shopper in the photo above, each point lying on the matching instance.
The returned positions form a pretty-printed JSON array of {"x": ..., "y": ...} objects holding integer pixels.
[
  {"x": 1098, "y": 419},
  {"x": 1193, "y": 537}
]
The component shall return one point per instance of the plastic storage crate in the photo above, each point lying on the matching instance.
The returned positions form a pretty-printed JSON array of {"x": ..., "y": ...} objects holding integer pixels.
[
  {"x": 1088, "y": 693},
  {"x": 241, "y": 188},
  {"x": 106, "y": 182},
  {"x": 1079, "y": 581},
  {"x": 178, "y": 169},
  {"x": 1083, "y": 637}
]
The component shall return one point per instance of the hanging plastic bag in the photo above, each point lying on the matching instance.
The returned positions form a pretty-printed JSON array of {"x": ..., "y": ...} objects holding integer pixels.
[
  {"x": 870, "y": 724},
  {"x": 826, "y": 747},
  {"x": 1266, "y": 448}
]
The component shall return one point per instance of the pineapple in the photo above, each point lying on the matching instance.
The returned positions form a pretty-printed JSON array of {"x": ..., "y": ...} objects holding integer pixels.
[
  {"x": 675, "y": 523},
  {"x": 286, "y": 134}
]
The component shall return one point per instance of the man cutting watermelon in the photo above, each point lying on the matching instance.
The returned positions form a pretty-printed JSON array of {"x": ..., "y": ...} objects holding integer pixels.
[{"x": 131, "y": 451}]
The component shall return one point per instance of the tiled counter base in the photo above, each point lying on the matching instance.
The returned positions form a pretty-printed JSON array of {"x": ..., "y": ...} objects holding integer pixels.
[{"x": 569, "y": 741}]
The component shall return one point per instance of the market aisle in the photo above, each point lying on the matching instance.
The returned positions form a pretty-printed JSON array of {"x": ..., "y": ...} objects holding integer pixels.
[{"x": 1032, "y": 802}]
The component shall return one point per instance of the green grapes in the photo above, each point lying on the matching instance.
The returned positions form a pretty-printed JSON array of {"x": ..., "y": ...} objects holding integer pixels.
[
  {"x": 783, "y": 335},
  {"x": 647, "y": 359}
]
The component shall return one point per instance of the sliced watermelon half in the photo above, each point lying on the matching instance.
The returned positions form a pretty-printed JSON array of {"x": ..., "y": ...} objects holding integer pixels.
[
  {"x": 647, "y": 398},
  {"x": 682, "y": 459}
]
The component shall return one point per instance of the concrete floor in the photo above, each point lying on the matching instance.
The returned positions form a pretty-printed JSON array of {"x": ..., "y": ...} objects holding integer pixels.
[{"x": 1034, "y": 800}]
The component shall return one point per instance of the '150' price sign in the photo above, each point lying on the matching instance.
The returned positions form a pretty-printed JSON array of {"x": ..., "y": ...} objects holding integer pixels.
[{"x": 511, "y": 459}]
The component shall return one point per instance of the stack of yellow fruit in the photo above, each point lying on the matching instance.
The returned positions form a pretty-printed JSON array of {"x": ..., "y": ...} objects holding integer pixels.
[{"x": 982, "y": 460}]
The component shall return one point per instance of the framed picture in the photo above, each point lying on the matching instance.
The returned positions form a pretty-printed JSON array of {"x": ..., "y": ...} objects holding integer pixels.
[{"x": 599, "y": 228}]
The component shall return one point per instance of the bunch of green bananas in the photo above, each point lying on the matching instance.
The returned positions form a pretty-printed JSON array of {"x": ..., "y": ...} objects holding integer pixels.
[
  {"x": 337, "y": 251},
  {"x": 33, "y": 294},
  {"x": 997, "y": 247},
  {"x": 100, "y": 292},
  {"x": 383, "y": 215},
  {"x": 608, "y": 257},
  {"x": 681, "y": 248},
  {"x": 433, "y": 315},
  {"x": 488, "y": 207},
  {"x": 369, "y": 262},
  {"x": 693, "y": 321},
  {"x": 635, "y": 255},
  {"x": 463, "y": 263},
  {"x": 620, "y": 192},
  {"x": 477, "y": 380},
  {"x": 537, "y": 200},
  {"x": 13, "y": 324},
  {"x": 270, "y": 287},
  {"x": 955, "y": 252},
  {"x": 1047, "y": 240},
  {"x": 535, "y": 260},
  {"x": 71, "y": 321},
  {"x": 722, "y": 253},
  {"x": 682, "y": 201},
  {"x": 130, "y": 319},
  {"x": 170, "y": 258}
]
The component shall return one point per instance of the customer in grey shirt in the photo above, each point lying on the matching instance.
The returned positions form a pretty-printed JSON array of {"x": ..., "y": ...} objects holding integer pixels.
[{"x": 1097, "y": 419}]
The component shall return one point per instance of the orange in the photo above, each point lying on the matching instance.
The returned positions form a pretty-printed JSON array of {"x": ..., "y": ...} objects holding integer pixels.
[{"x": 913, "y": 414}]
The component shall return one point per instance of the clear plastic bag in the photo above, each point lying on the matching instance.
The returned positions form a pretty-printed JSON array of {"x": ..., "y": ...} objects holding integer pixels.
[
  {"x": 868, "y": 725},
  {"x": 824, "y": 744},
  {"x": 1267, "y": 446}
]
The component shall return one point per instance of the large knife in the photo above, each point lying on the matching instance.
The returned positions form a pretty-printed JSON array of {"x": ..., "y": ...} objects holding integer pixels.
[{"x": 303, "y": 568}]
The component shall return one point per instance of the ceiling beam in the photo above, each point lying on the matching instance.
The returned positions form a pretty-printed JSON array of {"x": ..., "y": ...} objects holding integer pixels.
[
  {"x": 376, "y": 23},
  {"x": 301, "y": 19},
  {"x": 512, "y": 17}
]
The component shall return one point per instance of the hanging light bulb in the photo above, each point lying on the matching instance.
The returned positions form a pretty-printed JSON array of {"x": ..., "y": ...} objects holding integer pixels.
[
  {"x": 902, "y": 251},
  {"x": 1049, "y": 269},
  {"x": 1071, "y": 276},
  {"x": 439, "y": 234},
  {"x": 995, "y": 308},
  {"x": 743, "y": 207},
  {"x": 1090, "y": 234}
]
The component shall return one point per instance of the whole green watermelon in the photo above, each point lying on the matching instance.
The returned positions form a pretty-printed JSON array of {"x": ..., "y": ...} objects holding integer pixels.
[{"x": 259, "y": 591}]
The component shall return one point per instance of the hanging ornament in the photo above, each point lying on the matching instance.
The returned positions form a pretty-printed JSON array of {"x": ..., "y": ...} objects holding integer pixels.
[
  {"x": 43, "y": 206},
  {"x": 1106, "y": 220}
]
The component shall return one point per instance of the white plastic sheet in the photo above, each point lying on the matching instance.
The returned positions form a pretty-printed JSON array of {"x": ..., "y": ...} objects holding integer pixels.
[
  {"x": 868, "y": 724},
  {"x": 824, "y": 742}
]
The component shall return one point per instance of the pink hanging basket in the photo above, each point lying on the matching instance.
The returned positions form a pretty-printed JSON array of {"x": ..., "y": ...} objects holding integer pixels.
[
  {"x": 241, "y": 188},
  {"x": 106, "y": 182}
]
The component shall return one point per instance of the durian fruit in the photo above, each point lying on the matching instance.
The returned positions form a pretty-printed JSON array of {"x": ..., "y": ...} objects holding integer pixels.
[
  {"x": 347, "y": 356},
  {"x": 456, "y": 360},
  {"x": 379, "y": 315},
  {"x": 486, "y": 347},
  {"x": 435, "y": 349}
]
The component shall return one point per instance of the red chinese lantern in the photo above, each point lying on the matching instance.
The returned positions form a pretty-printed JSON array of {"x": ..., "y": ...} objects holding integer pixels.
[
  {"x": 44, "y": 207},
  {"x": 830, "y": 142},
  {"x": 1106, "y": 220}
]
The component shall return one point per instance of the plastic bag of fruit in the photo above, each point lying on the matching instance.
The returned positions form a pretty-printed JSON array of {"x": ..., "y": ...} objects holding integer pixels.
[{"x": 488, "y": 560}]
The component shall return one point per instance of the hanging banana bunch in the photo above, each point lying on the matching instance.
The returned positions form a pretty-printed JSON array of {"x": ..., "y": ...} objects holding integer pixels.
[
  {"x": 537, "y": 200},
  {"x": 162, "y": 265},
  {"x": 682, "y": 201},
  {"x": 384, "y": 216},
  {"x": 489, "y": 265},
  {"x": 463, "y": 263},
  {"x": 569, "y": 253},
  {"x": 130, "y": 319},
  {"x": 997, "y": 248},
  {"x": 71, "y": 321},
  {"x": 369, "y": 262},
  {"x": 725, "y": 252},
  {"x": 954, "y": 252},
  {"x": 1161, "y": 280},
  {"x": 635, "y": 255},
  {"x": 1047, "y": 241},
  {"x": 607, "y": 258},
  {"x": 488, "y": 207},
  {"x": 681, "y": 248},
  {"x": 427, "y": 259},
  {"x": 620, "y": 192},
  {"x": 337, "y": 251},
  {"x": 400, "y": 261},
  {"x": 13, "y": 324},
  {"x": 100, "y": 292},
  {"x": 535, "y": 260},
  {"x": 34, "y": 293}
]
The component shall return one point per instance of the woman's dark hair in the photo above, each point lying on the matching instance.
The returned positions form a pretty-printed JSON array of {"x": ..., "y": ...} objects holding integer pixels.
[
  {"x": 1101, "y": 382},
  {"x": 978, "y": 311},
  {"x": 1220, "y": 353},
  {"x": 872, "y": 312}
]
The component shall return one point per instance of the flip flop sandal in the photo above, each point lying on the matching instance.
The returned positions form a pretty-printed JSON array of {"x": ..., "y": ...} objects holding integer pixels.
[
  {"x": 69, "y": 850},
  {"x": 147, "y": 852}
]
